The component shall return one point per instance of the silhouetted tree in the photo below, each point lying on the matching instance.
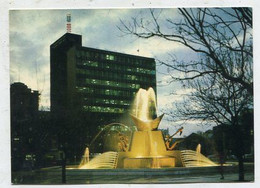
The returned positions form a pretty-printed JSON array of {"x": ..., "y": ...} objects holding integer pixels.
[
  {"x": 215, "y": 100},
  {"x": 221, "y": 80}
]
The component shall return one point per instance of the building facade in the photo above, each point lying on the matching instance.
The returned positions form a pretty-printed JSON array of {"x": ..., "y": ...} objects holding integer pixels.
[
  {"x": 102, "y": 83},
  {"x": 24, "y": 115},
  {"x": 24, "y": 101}
]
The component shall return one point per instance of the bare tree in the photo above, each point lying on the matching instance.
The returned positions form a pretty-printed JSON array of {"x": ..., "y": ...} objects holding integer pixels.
[
  {"x": 222, "y": 35},
  {"x": 218, "y": 101},
  {"x": 222, "y": 77},
  {"x": 214, "y": 99}
]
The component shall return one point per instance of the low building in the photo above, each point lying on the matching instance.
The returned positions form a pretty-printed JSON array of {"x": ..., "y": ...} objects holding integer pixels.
[{"x": 24, "y": 115}]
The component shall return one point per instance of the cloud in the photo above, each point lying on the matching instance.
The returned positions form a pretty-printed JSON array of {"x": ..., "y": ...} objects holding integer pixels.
[{"x": 33, "y": 31}]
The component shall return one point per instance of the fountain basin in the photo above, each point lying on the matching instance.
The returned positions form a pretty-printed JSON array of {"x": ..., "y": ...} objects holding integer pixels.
[{"x": 149, "y": 162}]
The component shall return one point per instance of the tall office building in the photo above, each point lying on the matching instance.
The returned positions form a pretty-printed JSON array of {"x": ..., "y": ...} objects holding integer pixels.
[{"x": 102, "y": 83}]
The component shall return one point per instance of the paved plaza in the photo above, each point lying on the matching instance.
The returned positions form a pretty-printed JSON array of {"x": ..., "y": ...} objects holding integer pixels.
[{"x": 133, "y": 176}]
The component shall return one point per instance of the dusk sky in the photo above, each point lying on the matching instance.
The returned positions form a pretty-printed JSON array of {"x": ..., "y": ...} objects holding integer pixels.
[
  {"x": 33, "y": 31},
  {"x": 32, "y": 26}
]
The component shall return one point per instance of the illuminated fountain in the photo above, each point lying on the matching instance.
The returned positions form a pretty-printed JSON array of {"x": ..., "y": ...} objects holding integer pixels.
[
  {"x": 85, "y": 158},
  {"x": 147, "y": 147}
]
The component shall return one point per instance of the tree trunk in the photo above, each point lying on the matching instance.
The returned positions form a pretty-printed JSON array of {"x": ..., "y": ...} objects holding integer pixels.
[
  {"x": 63, "y": 168},
  {"x": 241, "y": 168}
]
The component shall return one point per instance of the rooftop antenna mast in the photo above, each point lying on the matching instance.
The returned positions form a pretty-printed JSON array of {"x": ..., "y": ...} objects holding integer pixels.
[
  {"x": 36, "y": 72},
  {"x": 68, "y": 23},
  {"x": 19, "y": 69}
]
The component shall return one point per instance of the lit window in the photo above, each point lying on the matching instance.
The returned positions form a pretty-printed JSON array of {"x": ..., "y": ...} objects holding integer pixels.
[
  {"x": 111, "y": 57},
  {"x": 93, "y": 63},
  {"x": 107, "y": 91}
]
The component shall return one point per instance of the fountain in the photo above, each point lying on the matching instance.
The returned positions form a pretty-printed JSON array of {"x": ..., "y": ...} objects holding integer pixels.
[
  {"x": 147, "y": 148},
  {"x": 85, "y": 158}
]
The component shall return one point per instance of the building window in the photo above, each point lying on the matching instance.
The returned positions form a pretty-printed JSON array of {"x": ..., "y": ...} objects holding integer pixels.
[
  {"x": 110, "y": 57},
  {"x": 82, "y": 53},
  {"x": 102, "y": 56},
  {"x": 134, "y": 77},
  {"x": 107, "y": 91},
  {"x": 78, "y": 54},
  {"x": 103, "y": 109}
]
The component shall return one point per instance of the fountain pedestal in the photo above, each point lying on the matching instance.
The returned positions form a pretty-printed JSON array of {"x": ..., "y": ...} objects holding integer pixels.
[{"x": 147, "y": 150}]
